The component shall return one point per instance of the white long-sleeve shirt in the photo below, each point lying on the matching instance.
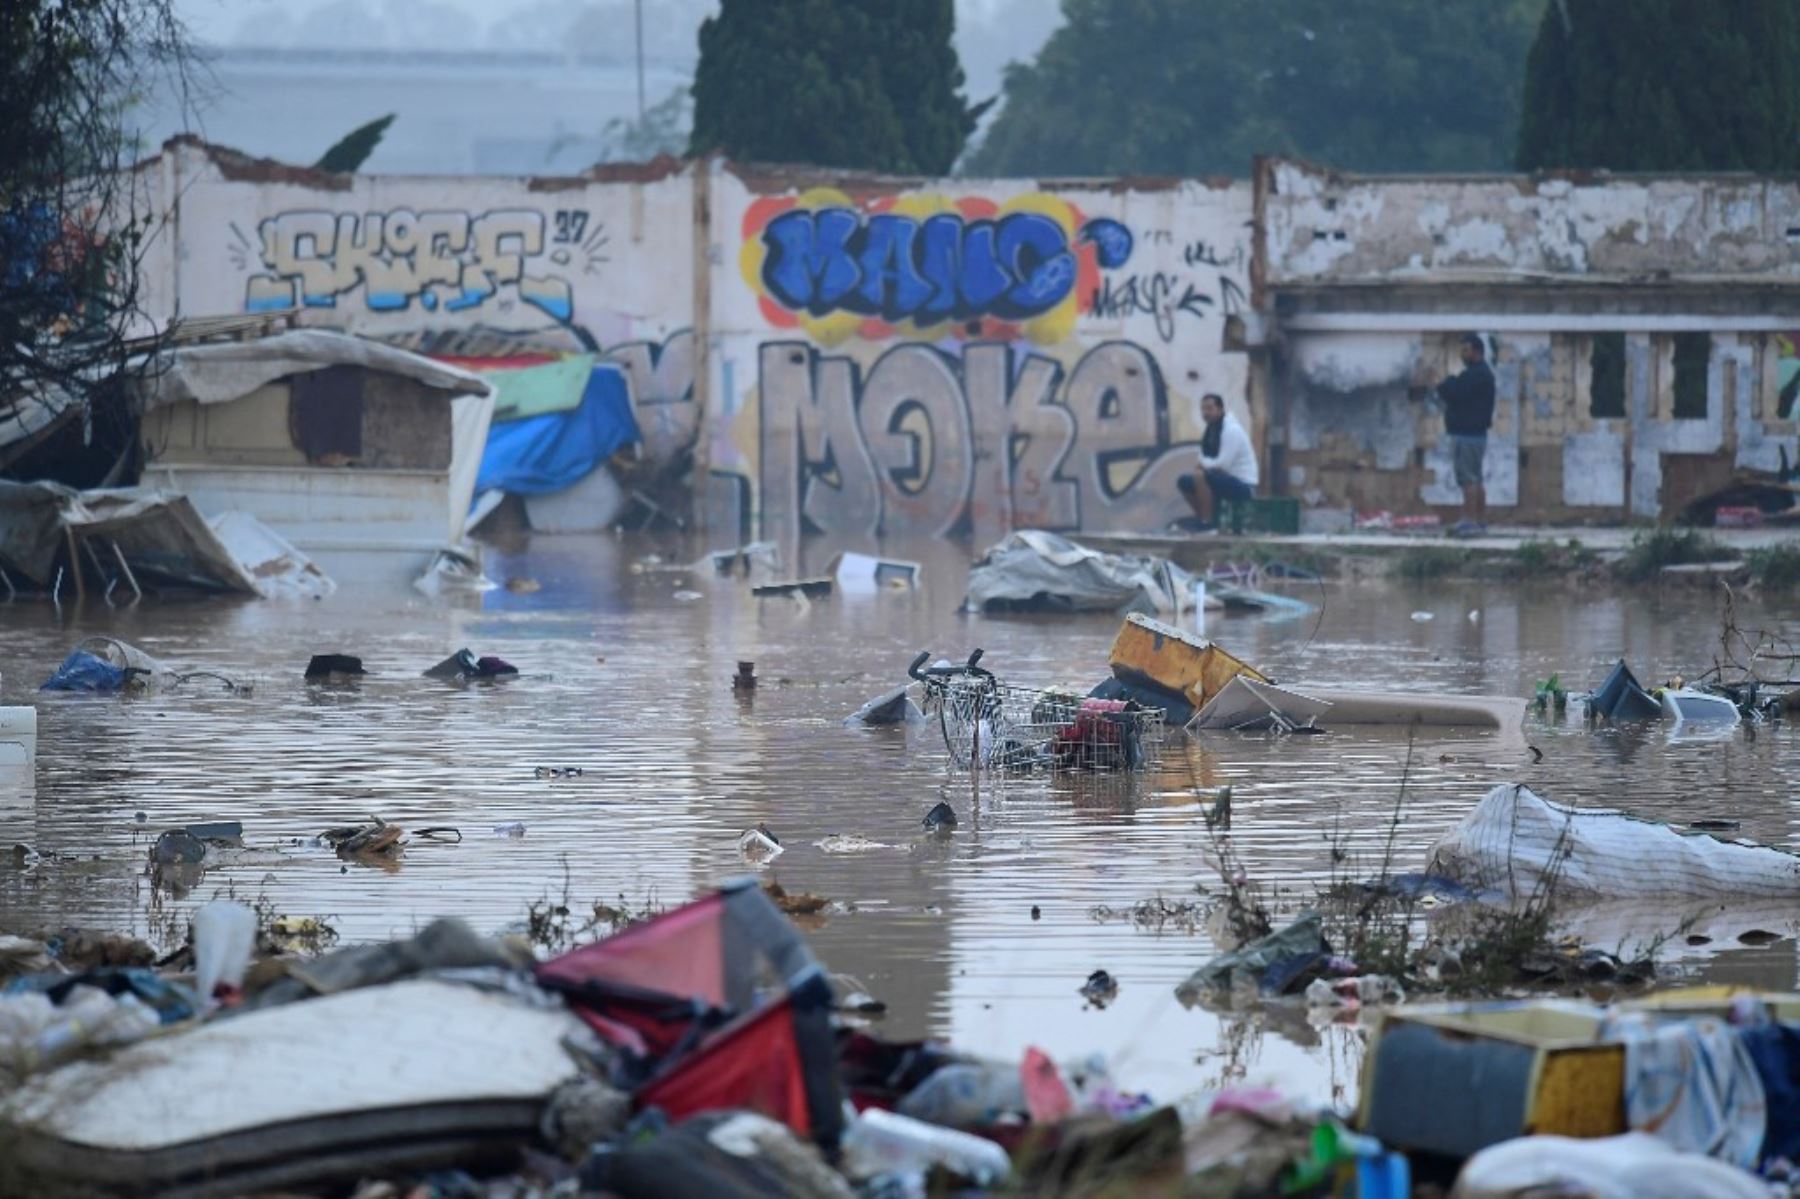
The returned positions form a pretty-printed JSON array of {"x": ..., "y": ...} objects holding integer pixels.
[{"x": 1237, "y": 457}]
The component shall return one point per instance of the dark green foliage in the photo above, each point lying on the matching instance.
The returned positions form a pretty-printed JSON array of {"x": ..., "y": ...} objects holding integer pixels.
[
  {"x": 1177, "y": 87},
  {"x": 1649, "y": 552},
  {"x": 1776, "y": 568},
  {"x": 1664, "y": 85},
  {"x": 834, "y": 83},
  {"x": 354, "y": 148},
  {"x": 72, "y": 228}
]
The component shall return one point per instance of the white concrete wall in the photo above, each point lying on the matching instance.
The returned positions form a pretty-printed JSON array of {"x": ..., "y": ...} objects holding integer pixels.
[{"x": 966, "y": 355}]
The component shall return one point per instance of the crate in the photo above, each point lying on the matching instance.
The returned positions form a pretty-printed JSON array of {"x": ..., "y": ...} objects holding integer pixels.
[
  {"x": 1175, "y": 660},
  {"x": 1454, "y": 1079},
  {"x": 1266, "y": 514}
]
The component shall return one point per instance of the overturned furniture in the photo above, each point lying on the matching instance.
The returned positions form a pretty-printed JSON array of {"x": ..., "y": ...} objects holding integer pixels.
[{"x": 121, "y": 540}]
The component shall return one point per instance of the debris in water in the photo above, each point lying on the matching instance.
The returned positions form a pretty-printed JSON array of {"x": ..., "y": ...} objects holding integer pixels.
[
  {"x": 325, "y": 668},
  {"x": 745, "y": 678},
  {"x": 523, "y": 586},
  {"x": 1758, "y": 936},
  {"x": 686, "y": 597},
  {"x": 1036, "y": 912},
  {"x": 849, "y": 843},
  {"x": 940, "y": 819},
  {"x": 515, "y": 829},
  {"x": 1422, "y": 617},
  {"x": 1100, "y": 989},
  {"x": 558, "y": 772},
  {"x": 798, "y": 903},
  {"x": 759, "y": 844}
]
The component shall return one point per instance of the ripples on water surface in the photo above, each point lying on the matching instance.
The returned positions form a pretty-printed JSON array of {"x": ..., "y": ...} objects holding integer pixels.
[{"x": 632, "y": 685}]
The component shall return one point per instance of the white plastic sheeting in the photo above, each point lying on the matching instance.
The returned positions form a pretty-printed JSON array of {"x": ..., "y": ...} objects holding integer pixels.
[
  {"x": 1035, "y": 566},
  {"x": 219, "y": 372},
  {"x": 1633, "y": 1166},
  {"x": 274, "y": 565},
  {"x": 1519, "y": 845}
]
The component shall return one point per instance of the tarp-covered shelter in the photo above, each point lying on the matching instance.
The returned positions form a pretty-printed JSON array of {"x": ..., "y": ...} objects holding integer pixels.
[{"x": 334, "y": 441}]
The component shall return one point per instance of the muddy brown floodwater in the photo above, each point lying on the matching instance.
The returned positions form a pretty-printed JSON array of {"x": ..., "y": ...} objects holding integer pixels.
[{"x": 632, "y": 684}]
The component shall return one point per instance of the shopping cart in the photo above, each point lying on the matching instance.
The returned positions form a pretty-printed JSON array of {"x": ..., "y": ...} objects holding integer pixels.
[{"x": 992, "y": 725}]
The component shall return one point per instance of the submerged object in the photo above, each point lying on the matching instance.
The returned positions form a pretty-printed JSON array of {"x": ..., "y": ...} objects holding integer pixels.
[
  {"x": 1520, "y": 845},
  {"x": 1621, "y": 697},
  {"x": 1685, "y": 705},
  {"x": 1246, "y": 705}
]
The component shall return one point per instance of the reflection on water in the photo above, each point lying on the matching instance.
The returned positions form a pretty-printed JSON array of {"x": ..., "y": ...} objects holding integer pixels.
[{"x": 624, "y": 680}]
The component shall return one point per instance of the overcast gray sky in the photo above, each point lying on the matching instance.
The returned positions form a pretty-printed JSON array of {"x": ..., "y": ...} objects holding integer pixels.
[{"x": 990, "y": 32}]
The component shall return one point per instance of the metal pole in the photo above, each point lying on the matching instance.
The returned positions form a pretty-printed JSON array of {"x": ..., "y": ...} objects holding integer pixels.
[
  {"x": 640, "y": 59},
  {"x": 125, "y": 566}
]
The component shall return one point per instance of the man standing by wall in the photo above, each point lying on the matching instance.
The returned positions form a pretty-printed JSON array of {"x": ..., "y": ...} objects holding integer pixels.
[
  {"x": 1468, "y": 400},
  {"x": 1228, "y": 468}
]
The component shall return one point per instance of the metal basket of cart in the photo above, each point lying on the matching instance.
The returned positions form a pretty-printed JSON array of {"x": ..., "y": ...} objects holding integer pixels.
[{"x": 991, "y": 724}]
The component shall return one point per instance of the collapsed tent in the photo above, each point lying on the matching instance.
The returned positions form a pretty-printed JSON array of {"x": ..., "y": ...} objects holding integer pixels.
[
  {"x": 679, "y": 997},
  {"x": 130, "y": 534},
  {"x": 1034, "y": 571},
  {"x": 1521, "y": 846}
]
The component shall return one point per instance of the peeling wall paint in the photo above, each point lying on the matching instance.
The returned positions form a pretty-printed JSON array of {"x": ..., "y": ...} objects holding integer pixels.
[{"x": 1327, "y": 228}]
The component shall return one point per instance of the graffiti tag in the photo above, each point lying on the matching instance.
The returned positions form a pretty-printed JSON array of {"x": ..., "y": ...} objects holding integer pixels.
[
  {"x": 934, "y": 443},
  {"x": 942, "y": 268},
  {"x": 1157, "y": 295},
  {"x": 449, "y": 261}
]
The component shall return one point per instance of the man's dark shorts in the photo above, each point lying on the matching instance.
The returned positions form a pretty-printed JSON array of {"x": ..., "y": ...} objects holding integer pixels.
[
  {"x": 1466, "y": 453},
  {"x": 1223, "y": 486}
]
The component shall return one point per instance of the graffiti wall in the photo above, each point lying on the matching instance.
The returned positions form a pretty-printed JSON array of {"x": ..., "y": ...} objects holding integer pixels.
[
  {"x": 964, "y": 358},
  {"x": 476, "y": 267}
]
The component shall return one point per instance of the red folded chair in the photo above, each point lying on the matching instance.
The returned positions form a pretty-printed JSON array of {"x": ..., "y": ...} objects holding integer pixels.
[{"x": 718, "y": 1004}]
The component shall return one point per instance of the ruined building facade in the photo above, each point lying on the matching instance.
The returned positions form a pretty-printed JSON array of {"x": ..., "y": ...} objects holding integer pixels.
[{"x": 847, "y": 356}]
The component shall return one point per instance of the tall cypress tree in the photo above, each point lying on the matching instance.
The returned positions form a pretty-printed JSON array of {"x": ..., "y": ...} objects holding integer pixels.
[
  {"x": 1664, "y": 85},
  {"x": 867, "y": 84}
]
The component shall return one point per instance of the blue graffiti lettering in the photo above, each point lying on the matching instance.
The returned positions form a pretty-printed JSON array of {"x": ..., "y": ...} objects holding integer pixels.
[{"x": 945, "y": 268}]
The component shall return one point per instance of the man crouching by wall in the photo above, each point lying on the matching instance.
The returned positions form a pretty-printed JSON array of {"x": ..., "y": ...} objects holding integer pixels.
[{"x": 1228, "y": 468}]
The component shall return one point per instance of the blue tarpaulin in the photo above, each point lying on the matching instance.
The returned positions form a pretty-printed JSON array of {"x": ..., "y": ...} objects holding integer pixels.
[
  {"x": 82, "y": 671},
  {"x": 542, "y": 454}
]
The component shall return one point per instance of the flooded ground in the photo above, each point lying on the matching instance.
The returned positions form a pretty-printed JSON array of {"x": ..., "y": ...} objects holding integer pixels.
[{"x": 629, "y": 682}]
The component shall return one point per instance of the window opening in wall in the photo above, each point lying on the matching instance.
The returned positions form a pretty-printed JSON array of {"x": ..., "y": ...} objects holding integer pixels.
[
  {"x": 1606, "y": 389},
  {"x": 1787, "y": 374},
  {"x": 1693, "y": 351}
]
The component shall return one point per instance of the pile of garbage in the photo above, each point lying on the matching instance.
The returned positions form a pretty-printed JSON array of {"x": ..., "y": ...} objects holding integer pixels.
[
  {"x": 700, "y": 1051},
  {"x": 704, "y": 1051}
]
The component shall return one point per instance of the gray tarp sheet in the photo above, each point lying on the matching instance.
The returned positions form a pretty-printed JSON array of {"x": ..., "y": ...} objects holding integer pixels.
[
  {"x": 1026, "y": 565},
  {"x": 161, "y": 534}
]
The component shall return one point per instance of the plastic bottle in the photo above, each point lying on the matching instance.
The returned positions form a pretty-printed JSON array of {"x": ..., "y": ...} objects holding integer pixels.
[
  {"x": 966, "y": 1093},
  {"x": 224, "y": 937},
  {"x": 888, "y": 1143}
]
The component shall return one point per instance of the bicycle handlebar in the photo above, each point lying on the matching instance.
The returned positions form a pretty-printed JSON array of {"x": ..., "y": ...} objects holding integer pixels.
[{"x": 939, "y": 673}]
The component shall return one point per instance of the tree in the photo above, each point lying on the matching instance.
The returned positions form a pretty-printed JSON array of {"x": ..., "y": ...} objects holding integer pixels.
[
  {"x": 1179, "y": 88},
  {"x": 349, "y": 152},
  {"x": 72, "y": 230},
  {"x": 1664, "y": 85},
  {"x": 835, "y": 83}
]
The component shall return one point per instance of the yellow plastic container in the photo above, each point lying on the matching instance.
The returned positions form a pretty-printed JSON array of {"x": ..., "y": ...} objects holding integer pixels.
[
  {"x": 1454, "y": 1079},
  {"x": 1175, "y": 660}
]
